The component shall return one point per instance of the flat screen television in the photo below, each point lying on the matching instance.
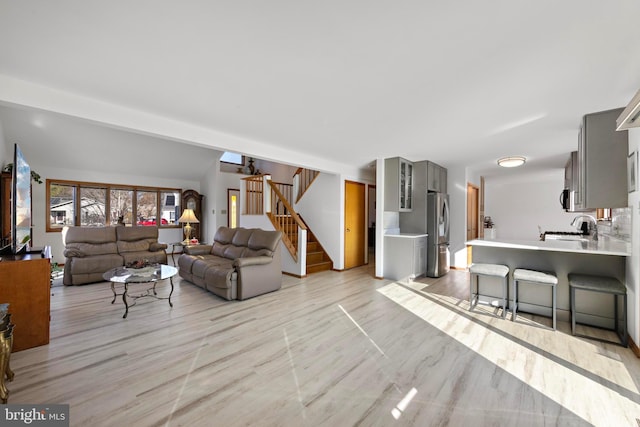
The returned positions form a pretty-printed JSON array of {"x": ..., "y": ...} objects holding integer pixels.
[{"x": 20, "y": 204}]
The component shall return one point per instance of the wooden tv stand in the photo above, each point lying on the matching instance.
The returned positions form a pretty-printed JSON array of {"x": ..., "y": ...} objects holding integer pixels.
[{"x": 25, "y": 283}]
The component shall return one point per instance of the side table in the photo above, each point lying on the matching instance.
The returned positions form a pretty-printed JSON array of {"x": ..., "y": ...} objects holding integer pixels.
[{"x": 181, "y": 245}]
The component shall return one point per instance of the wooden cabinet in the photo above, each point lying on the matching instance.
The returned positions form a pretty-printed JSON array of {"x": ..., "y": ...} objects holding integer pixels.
[
  {"x": 398, "y": 185},
  {"x": 436, "y": 178},
  {"x": 25, "y": 283},
  {"x": 191, "y": 199},
  {"x": 602, "y": 162}
]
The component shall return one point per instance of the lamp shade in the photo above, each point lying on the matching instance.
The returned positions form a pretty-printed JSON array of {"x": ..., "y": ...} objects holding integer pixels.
[{"x": 188, "y": 216}]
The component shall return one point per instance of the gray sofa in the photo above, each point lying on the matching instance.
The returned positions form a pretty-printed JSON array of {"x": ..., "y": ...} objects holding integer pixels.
[
  {"x": 241, "y": 263},
  {"x": 91, "y": 251}
]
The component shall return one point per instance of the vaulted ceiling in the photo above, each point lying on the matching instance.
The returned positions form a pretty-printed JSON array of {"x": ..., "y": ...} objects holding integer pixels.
[{"x": 327, "y": 84}]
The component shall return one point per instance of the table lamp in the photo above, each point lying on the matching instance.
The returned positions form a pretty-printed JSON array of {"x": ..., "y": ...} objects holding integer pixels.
[{"x": 188, "y": 217}]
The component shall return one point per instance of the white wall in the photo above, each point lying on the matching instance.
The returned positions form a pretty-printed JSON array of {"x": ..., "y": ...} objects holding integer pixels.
[
  {"x": 457, "y": 188},
  {"x": 6, "y": 153},
  {"x": 519, "y": 204},
  {"x": 322, "y": 207},
  {"x": 633, "y": 262},
  {"x": 225, "y": 181},
  {"x": 209, "y": 190}
]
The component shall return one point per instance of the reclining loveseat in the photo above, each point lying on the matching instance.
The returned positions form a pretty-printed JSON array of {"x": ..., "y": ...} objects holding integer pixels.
[
  {"x": 92, "y": 251},
  {"x": 241, "y": 263}
]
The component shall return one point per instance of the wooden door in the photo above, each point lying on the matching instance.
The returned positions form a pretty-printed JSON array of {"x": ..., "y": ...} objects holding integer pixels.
[
  {"x": 233, "y": 208},
  {"x": 354, "y": 223},
  {"x": 472, "y": 216},
  {"x": 472, "y": 212}
]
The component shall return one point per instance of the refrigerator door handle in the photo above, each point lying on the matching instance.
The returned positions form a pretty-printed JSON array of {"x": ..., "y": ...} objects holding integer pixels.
[{"x": 445, "y": 215}]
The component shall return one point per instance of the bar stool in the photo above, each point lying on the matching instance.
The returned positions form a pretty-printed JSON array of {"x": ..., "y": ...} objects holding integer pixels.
[
  {"x": 605, "y": 285},
  {"x": 537, "y": 278},
  {"x": 488, "y": 270}
]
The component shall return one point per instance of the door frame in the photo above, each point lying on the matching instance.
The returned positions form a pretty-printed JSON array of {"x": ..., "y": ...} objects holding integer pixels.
[{"x": 471, "y": 187}]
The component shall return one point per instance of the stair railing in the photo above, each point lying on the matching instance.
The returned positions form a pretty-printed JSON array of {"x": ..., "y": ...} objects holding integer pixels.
[
  {"x": 286, "y": 190},
  {"x": 302, "y": 180},
  {"x": 254, "y": 195},
  {"x": 285, "y": 219},
  {"x": 276, "y": 204}
]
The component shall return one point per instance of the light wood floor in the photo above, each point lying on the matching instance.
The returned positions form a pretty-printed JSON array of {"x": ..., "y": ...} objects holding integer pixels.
[{"x": 333, "y": 349}]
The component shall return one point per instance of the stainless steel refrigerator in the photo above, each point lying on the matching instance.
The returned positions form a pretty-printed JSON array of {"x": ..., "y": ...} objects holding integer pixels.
[{"x": 438, "y": 229}]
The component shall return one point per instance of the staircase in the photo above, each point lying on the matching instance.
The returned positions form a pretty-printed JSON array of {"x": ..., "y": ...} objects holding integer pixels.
[
  {"x": 317, "y": 258},
  {"x": 276, "y": 197}
]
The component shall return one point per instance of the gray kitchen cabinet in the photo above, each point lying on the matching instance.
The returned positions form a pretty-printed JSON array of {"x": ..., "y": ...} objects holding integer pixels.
[
  {"x": 398, "y": 185},
  {"x": 571, "y": 180},
  {"x": 602, "y": 162},
  {"x": 436, "y": 178},
  {"x": 405, "y": 256},
  {"x": 571, "y": 172}
]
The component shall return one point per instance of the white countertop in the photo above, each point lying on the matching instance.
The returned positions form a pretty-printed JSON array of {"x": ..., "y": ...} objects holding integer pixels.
[
  {"x": 406, "y": 235},
  {"x": 603, "y": 246}
]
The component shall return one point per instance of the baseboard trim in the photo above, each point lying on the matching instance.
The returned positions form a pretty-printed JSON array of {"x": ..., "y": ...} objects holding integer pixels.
[
  {"x": 459, "y": 268},
  {"x": 294, "y": 275},
  {"x": 634, "y": 347}
]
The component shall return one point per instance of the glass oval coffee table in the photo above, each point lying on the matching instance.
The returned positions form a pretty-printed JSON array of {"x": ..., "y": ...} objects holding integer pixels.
[{"x": 149, "y": 274}]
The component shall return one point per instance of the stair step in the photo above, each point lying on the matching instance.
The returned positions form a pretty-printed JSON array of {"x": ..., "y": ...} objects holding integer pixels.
[
  {"x": 321, "y": 266},
  {"x": 315, "y": 257}
]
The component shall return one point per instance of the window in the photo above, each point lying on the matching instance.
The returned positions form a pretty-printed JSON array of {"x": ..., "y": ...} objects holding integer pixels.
[
  {"x": 147, "y": 207},
  {"x": 233, "y": 212},
  {"x": 170, "y": 210},
  {"x": 234, "y": 158},
  {"x": 61, "y": 205},
  {"x": 121, "y": 206},
  {"x": 94, "y": 204}
]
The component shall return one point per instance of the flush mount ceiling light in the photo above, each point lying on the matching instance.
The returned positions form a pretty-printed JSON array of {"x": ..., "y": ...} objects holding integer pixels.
[{"x": 511, "y": 161}]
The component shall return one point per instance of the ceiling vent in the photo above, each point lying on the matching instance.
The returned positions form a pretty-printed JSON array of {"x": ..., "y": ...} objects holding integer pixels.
[{"x": 630, "y": 117}]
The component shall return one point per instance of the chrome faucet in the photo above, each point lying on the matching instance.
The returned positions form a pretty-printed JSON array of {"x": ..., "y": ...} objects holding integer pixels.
[{"x": 593, "y": 224}]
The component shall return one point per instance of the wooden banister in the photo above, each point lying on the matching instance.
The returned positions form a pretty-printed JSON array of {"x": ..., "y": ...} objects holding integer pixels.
[
  {"x": 285, "y": 219},
  {"x": 305, "y": 179},
  {"x": 254, "y": 195}
]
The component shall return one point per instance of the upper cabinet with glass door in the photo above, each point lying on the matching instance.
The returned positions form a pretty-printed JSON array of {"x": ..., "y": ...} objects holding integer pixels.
[{"x": 398, "y": 188}]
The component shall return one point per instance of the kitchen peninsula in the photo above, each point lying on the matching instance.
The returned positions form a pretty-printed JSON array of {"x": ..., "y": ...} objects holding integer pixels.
[{"x": 603, "y": 257}]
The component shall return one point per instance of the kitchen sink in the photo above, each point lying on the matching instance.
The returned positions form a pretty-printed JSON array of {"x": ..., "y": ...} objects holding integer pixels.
[{"x": 567, "y": 237}]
